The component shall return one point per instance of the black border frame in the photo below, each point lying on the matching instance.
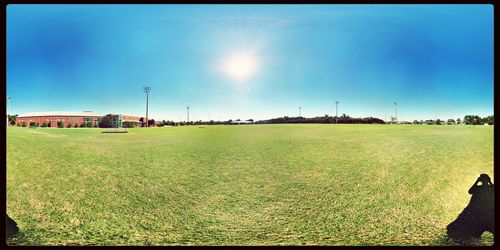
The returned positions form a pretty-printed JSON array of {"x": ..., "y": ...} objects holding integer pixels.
[{"x": 3, "y": 18}]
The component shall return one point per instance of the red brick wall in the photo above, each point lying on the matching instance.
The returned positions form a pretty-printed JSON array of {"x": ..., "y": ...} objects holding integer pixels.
[{"x": 53, "y": 120}]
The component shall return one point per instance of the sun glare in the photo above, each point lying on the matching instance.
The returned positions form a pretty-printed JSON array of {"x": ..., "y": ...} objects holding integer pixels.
[{"x": 241, "y": 66}]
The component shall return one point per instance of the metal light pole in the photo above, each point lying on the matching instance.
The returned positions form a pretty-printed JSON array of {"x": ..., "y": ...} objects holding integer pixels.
[
  {"x": 8, "y": 109},
  {"x": 147, "y": 89},
  {"x": 300, "y": 111},
  {"x": 396, "y": 110},
  {"x": 8, "y": 105},
  {"x": 187, "y": 114},
  {"x": 336, "y": 110}
]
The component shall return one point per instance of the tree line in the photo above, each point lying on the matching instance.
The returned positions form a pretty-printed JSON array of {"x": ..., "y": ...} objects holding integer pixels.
[
  {"x": 467, "y": 120},
  {"x": 344, "y": 119}
]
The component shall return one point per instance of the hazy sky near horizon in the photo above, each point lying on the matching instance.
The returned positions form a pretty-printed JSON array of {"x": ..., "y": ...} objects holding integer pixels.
[{"x": 252, "y": 61}]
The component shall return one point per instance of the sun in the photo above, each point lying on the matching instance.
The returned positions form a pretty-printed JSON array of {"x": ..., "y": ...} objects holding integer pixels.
[{"x": 240, "y": 65}]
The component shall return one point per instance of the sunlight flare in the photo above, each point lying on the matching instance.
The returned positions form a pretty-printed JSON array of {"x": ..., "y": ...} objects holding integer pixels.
[{"x": 240, "y": 65}]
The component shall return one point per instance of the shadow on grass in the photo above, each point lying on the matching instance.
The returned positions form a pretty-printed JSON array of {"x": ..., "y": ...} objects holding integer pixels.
[
  {"x": 486, "y": 240},
  {"x": 478, "y": 216},
  {"x": 40, "y": 237},
  {"x": 11, "y": 228}
]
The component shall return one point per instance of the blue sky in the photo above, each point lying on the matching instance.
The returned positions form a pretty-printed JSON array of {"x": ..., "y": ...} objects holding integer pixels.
[{"x": 435, "y": 61}]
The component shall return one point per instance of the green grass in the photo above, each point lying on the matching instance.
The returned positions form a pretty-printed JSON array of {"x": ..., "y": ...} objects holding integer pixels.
[{"x": 244, "y": 185}]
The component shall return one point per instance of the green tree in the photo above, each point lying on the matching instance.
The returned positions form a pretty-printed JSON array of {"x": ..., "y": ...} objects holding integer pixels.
[
  {"x": 12, "y": 119},
  {"x": 459, "y": 121},
  {"x": 451, "y": 121},
  {"x": 472, "y": 120},
  {"x": 489, "y": 119},
  {"x": 151, "y": 122}
]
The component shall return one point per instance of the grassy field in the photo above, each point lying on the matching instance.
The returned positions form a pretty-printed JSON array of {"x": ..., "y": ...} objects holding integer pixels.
[{"x": 244, "y": 185}]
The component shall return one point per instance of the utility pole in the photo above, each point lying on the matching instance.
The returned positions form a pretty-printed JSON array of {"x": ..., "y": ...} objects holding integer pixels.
[
  {"x": 187, "y": 114},
  {"x": 336, "y": 110},
  {"x": 147, "y": 89},
  {"x": 300, "y": 111}
]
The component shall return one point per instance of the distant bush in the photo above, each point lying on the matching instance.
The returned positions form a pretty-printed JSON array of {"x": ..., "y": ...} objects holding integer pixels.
[
  {"x": 69, "y": 125},
  {"x": 60, "y": 124},
  {"x": 37, "y": 124},
  {"x": 19, "y": 125},
  {"x": 130, "y": 124},
  {"x": 44, "y": 125},
  {"x": 86, "y": 125},
  {"x": 32, "y": 124}
]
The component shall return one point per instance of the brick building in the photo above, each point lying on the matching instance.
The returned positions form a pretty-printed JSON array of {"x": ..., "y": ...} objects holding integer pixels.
[
  {"x": 78, "y": 118},
  {"x": 51, "y": 118}
]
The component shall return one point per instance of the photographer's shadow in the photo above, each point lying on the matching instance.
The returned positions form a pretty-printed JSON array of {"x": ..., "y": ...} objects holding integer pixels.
[
  {"x": 11, "y": 228},
  {"x": 477, "y": 217}
]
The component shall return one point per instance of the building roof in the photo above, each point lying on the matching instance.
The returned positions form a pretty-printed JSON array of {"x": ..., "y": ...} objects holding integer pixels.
[{"x": 60, "y": 113}]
